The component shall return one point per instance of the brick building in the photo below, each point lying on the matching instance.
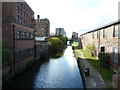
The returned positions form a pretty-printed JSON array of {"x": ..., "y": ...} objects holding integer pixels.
[
  {"x": 105, "y": 38},
  {"x": 42, "y": 27},
  {"x": 18, "y": 31}
]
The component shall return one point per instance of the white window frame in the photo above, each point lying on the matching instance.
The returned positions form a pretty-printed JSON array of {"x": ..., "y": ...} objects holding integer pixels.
[{"x": 115, "y": 30}]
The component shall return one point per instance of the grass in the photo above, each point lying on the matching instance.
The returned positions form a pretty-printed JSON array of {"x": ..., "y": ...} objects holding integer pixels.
[{"x": 105, "y": 73}]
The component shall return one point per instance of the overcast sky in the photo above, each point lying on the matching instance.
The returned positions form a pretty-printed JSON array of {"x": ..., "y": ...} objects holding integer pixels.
[{"x": 76, "y": 15}]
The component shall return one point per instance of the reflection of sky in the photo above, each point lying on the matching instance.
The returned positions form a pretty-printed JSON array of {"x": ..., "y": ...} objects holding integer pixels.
[{"x": 60, "y": 73}]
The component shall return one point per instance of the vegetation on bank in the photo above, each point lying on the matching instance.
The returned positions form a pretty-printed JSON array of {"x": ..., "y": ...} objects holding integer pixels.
[
  {"x": 57, "y": 44},
  {"x": 6, "y": 55},
  {"x": 105, "y": 72},
  {"x": 89, "y": 54}
]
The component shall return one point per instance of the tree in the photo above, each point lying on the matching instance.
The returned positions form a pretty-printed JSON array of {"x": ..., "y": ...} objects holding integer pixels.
[
  {"x": 63, "y": 39},
  {"x": 55, "y": 44}
]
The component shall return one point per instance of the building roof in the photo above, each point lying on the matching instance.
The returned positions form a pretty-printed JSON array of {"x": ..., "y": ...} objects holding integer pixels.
[{"x": 105, "y": 26}]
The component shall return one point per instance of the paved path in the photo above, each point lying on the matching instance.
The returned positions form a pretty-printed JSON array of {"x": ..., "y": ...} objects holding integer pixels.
[{"x": 95, "y": 79}]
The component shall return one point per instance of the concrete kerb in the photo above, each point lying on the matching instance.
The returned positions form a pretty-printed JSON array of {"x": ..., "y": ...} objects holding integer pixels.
[
  {"x": 91, "y": 81},
  {"x": 81, "y": 69}
]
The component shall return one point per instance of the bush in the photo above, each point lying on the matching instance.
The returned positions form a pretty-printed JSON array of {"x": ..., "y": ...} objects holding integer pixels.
[
  {"x": 55, "y": 44},
  {"x": 91, "y": 49},
  {"x": 63, "y": 39},
  {"x": 6, "y": 56}
]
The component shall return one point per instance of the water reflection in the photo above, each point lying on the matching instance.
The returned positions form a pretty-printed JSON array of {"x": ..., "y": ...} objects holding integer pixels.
[
  {"x": 54, "y": 72},
  {"x": 59, "y": 72},
  {"x": 57, "y": 54}
]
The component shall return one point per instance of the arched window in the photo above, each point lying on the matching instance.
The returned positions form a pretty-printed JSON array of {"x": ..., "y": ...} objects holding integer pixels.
[
  {"x": 17, "y": 18},
  {"x": 17, "y": 8},
  {"x": 20, "y": 20}
]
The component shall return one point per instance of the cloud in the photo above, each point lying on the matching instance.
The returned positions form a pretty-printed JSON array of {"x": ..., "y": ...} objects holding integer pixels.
[{"x": 76, "y": 15}]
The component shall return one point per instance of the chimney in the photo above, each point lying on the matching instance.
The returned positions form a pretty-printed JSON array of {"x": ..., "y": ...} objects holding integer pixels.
[{"x": 38, "y": 16}]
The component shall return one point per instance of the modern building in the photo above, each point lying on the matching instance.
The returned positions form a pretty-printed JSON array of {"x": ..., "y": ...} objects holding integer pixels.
[
  {"x": 106, "y": 39},
  {"x": 18, "y": 31},
  {"x": 60, "y": 31},
  {"x": 74, "y": 36},
  {"x": 42, "y": 27}
]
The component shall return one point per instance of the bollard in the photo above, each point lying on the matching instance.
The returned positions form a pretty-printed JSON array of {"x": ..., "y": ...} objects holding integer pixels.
[{"x": 87, "y": 71}]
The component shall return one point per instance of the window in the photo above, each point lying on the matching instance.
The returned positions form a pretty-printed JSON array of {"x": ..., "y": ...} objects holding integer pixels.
[
  {"x": 27, "y": 35},
  {"x": 23, "y": 35},
  {"x": 17, "y": 35},
  {"x": 115, "y": 55},
  {"x": 20, "y": 20},
  {"x": 24, "y": 22},
  {"x": 24, "y": 14},
  {"x": 104, "y": 33},
  {"x": 98, "y": 34},
  {"x": 92, "y": 34},
  {"x": 20, "y": 10},
  {"x": 31, "y": 36},
  {"x": 23, "y": 6},
  {"x": 17, "y": 8},
  {"x": 17, "y": 18},
  {"x": 115, "y": 31}
]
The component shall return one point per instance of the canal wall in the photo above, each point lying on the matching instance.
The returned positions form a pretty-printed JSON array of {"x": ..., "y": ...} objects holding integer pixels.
[
  {"x": 81, "y": 69},
  {"x": 41, "y": 51},
  {"x": 8, "y": 76}
]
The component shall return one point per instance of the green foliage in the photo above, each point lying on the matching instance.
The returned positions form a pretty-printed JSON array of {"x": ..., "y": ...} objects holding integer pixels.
[
  {"x": 5, "y": 46},
  {"x": 91, "y": 49},
  {"x": 63, "y": 39},
  {"x": 105, "y": 73},
  {"x": 6, "y": 55},
  {"x": 55, "y": 44},
  {"x": 104, "y": 58}
]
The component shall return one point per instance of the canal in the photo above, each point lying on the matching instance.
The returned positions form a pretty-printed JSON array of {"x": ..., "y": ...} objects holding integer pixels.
[{"x": 60, "y": 72}]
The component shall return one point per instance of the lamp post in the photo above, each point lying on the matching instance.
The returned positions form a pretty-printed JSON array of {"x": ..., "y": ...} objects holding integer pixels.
[{"x": 13, "y": 59}]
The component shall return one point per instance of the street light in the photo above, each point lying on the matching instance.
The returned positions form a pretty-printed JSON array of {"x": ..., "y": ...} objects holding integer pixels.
[{"x": 13, "y": 60}]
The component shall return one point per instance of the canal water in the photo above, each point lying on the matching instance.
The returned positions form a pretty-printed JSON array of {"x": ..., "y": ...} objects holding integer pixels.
[{"x": 60, "y": 72}]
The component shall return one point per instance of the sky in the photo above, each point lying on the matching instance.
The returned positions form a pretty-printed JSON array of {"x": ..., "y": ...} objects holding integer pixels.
[{"x": 76, "y": 15}]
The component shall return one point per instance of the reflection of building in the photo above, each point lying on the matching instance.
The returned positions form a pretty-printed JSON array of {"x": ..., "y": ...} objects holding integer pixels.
[
  {"x": 75, "y": 36},
  {"x": 106, "y": 39},
  {"x": 42, "y": 27},
  {"x": 60, "y": 31},
  {"x": 20, "y": 15}
]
